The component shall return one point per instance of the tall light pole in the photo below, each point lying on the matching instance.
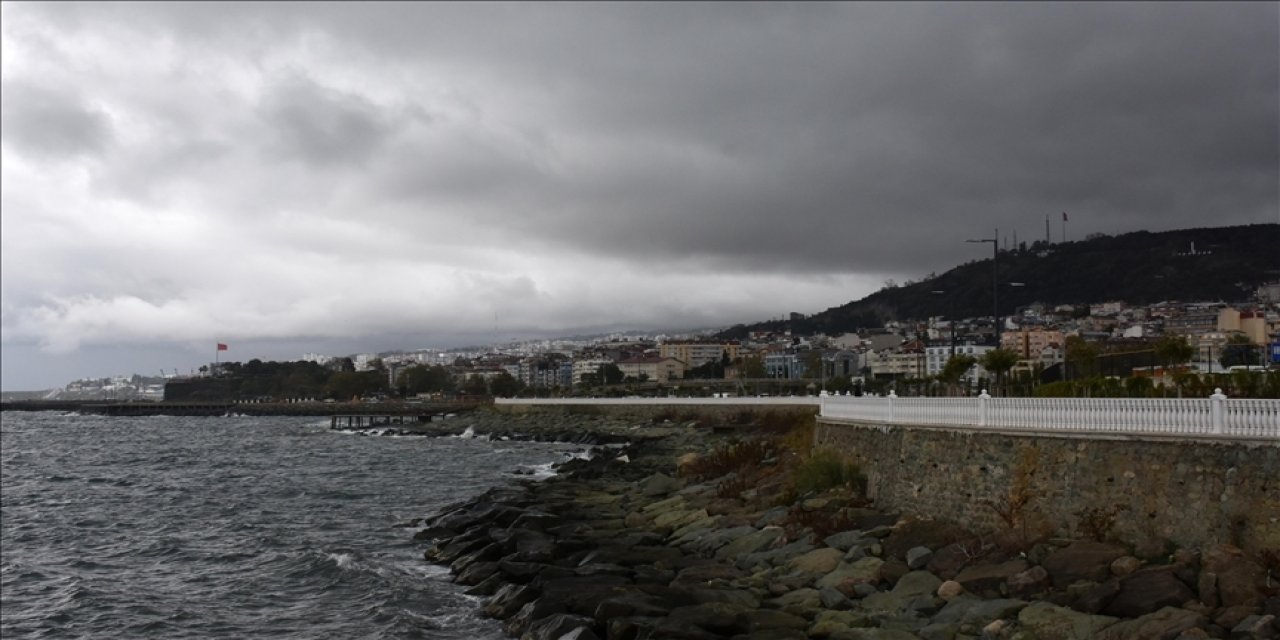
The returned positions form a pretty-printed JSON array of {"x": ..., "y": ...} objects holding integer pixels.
[
  {"x": 951, "y": 319},
  {"x": 995, "y": 280}
]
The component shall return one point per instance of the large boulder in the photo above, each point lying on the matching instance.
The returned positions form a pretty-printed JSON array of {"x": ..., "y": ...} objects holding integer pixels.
[
  {"x": 987, "y": 579},
  {"x": 914, "y": 591},
  {"x": 1240, "y": 580},
  {"x": 1164, "y": 624},
  {"x": 1045, "y": 621},
  {"x": 660, "y": 484},
  {"x": 716, "y": 617},
  {"x": 1147, "y": 591},
  {"x": 820, "y": 561},
  {"x": 848, "y": 574},
  {"x": 1082, "y": 560},
  {"x": 751, "y": 543}
]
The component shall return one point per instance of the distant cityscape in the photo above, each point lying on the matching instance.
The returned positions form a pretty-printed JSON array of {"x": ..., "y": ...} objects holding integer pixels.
[{"x": 1116, "y": 338}]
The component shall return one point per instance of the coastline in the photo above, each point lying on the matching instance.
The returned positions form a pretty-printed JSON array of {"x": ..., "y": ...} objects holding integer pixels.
[{"x": 624, "y": 545}]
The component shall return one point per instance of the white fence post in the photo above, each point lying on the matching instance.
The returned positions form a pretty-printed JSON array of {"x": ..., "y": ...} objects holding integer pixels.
[
  {"x": 983, "y": 408},
  {"x": 1217, "y": 410},
  {"x": 892, "y": 396}
]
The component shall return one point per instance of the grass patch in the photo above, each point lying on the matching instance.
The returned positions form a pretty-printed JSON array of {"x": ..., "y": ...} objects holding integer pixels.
[{"x": 826, "y": 469}]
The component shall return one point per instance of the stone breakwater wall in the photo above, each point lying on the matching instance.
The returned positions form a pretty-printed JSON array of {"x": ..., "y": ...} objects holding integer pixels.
[{"x": 1148, "y": 493}]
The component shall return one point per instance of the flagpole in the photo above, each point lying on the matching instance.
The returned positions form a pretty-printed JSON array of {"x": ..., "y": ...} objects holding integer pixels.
[{"x": 215, "y": 352}]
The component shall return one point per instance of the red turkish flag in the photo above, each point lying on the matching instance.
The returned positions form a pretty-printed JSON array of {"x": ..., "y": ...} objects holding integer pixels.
[{"x": 222, "y": 347}]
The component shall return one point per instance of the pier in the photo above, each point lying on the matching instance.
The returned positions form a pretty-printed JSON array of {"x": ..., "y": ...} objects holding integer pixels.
[{"x": 369, "y": 420}]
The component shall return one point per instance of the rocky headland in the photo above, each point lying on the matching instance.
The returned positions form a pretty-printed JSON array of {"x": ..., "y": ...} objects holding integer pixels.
[{"x": 694, "y": 533}]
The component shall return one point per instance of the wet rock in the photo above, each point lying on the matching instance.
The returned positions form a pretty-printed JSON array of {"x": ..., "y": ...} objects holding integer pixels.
[
  {"x": 508, "y": 600},
  {"x": 843, "y": 540},
  {"x": 1230, "y": 617},
  {"x": 556, "y": 626},
  {"x": 530, "y": 613},
  {"x": 760, "y": 619},
  {"x": 834, "y": 599}
]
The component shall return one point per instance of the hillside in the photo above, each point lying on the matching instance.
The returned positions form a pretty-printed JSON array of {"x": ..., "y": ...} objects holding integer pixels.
[{"x": 1229, "y": 263}]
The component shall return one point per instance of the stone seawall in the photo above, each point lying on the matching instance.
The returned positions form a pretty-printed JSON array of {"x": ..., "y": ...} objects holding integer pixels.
[{"x": 1147, "y": 493}]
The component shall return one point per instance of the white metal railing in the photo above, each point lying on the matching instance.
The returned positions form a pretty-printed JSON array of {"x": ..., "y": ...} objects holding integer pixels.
[
  {"x": 728, "y": 402},
  {"x": 1213, "y": 416}
]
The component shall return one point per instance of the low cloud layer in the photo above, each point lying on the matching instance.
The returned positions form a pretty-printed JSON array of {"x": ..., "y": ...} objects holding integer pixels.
[{"x": 175, "y": 174}]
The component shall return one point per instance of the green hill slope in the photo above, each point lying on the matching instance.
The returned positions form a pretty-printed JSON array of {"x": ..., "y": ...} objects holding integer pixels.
[{"x": 1228, "y": 264}]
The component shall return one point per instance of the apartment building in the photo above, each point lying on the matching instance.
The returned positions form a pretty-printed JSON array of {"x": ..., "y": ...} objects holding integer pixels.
[{"x": 696, "y": 354}]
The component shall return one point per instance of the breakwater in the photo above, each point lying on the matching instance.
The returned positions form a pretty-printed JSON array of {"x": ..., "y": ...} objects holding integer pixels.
[
  {"x": 626, "y": 546},
  {"x": 256, "y": 409}
]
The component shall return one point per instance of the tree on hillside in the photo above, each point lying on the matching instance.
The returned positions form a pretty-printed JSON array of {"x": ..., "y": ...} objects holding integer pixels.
[
  {"x": 505, "y": 385},
  {"x": 1174, "y": 350},
  {"x": 751, "y": 367},
  {"x": 424, "y": 379},
  {"x": 956, "y": 367},
  {"x": 999, "y": 362},
  {"x": 1239, "y": 352}
]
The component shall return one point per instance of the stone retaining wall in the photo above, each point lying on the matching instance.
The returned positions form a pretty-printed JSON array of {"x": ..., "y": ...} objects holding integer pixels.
[{"x": 1146, "y": 493}]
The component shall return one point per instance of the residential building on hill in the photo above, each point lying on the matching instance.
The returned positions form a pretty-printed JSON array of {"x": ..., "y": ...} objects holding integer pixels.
[{"x": 696, "y": 354}]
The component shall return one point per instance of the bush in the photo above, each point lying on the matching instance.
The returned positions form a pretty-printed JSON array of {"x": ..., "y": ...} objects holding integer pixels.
[{"x": 827, "y": 469}]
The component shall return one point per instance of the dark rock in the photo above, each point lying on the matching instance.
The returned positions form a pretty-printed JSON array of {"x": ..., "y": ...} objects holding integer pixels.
[
  {"x": 1207, "y": 585},
  {"x": 1165, "y": 624},
  {"x": 1029, "y": 583},
  {"x": 987, "y": 580},
  {"x": 1229, "y": 617},
  {"x": 530, "y": 613},
  {"x": 1146, "y": 591},
  {"x": 1098, "y": 597},
  {"x": 508, "y": 600},
  {"x": 706, "y": 573},
  {"x": 488, "y": 586},
  {"x": 524, "y": 572},
  {"x": 580, "y": 594},
  {"x": 1255, "y": 627},
  {"x": 631, "y": 604},
  {"x": 947, "y": 561},
  {"x": 760, "y": 619},
  {"x": 933, "y": 534},
  {"x": 476, "y": 573},
  {"x": 832, "y": 598},
  {"x": 581, "y": 633},
  {"x": 893, "y": 569},
  {"x": 1240, "y": 580},
  {"x": 716, "y": 617},
  {"x": 555, "y": 626},
  {"x": 918, "y": 557},
  {"x": 487, "y": 552},
  {"x": 1082, "y": 560}
]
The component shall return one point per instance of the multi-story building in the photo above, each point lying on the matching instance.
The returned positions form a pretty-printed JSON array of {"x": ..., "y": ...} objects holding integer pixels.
[
  {"x": 587, "y": 366},
  {"x": 936, "y": 357},
  {"x": 696, "y": 354},
  {"x": 1029, "y": 343},
  {"x": 652, "y": 369}
]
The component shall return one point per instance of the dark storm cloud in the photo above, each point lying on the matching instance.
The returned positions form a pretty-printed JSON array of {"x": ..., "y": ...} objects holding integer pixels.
[
  {"x": 52, "y": 124},
  {"x": 287, "y": 167}
]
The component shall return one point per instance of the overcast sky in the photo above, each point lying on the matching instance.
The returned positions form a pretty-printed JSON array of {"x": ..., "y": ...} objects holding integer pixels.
[{"x": 348, "y": 177}]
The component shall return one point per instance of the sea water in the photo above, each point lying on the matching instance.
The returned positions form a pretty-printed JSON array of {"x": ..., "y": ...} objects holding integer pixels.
[{"x": 234, "y": 527}]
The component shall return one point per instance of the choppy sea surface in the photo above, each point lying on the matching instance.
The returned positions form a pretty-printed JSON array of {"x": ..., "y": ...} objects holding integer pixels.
[{"x": 233, "y": 527}]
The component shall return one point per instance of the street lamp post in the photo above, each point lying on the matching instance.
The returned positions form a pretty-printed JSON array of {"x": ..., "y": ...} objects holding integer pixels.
[{"x": 995, "y": 280}]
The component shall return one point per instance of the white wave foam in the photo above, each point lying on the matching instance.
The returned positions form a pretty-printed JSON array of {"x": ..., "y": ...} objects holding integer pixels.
[{"x": 343, "y": 560}]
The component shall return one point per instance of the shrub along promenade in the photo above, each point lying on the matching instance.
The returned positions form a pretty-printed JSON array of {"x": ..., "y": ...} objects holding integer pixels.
[{"x": 701, "y": 533}]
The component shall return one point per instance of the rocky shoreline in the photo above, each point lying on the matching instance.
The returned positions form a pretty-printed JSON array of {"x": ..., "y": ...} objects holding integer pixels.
[{"x": 632, "y": 544}]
